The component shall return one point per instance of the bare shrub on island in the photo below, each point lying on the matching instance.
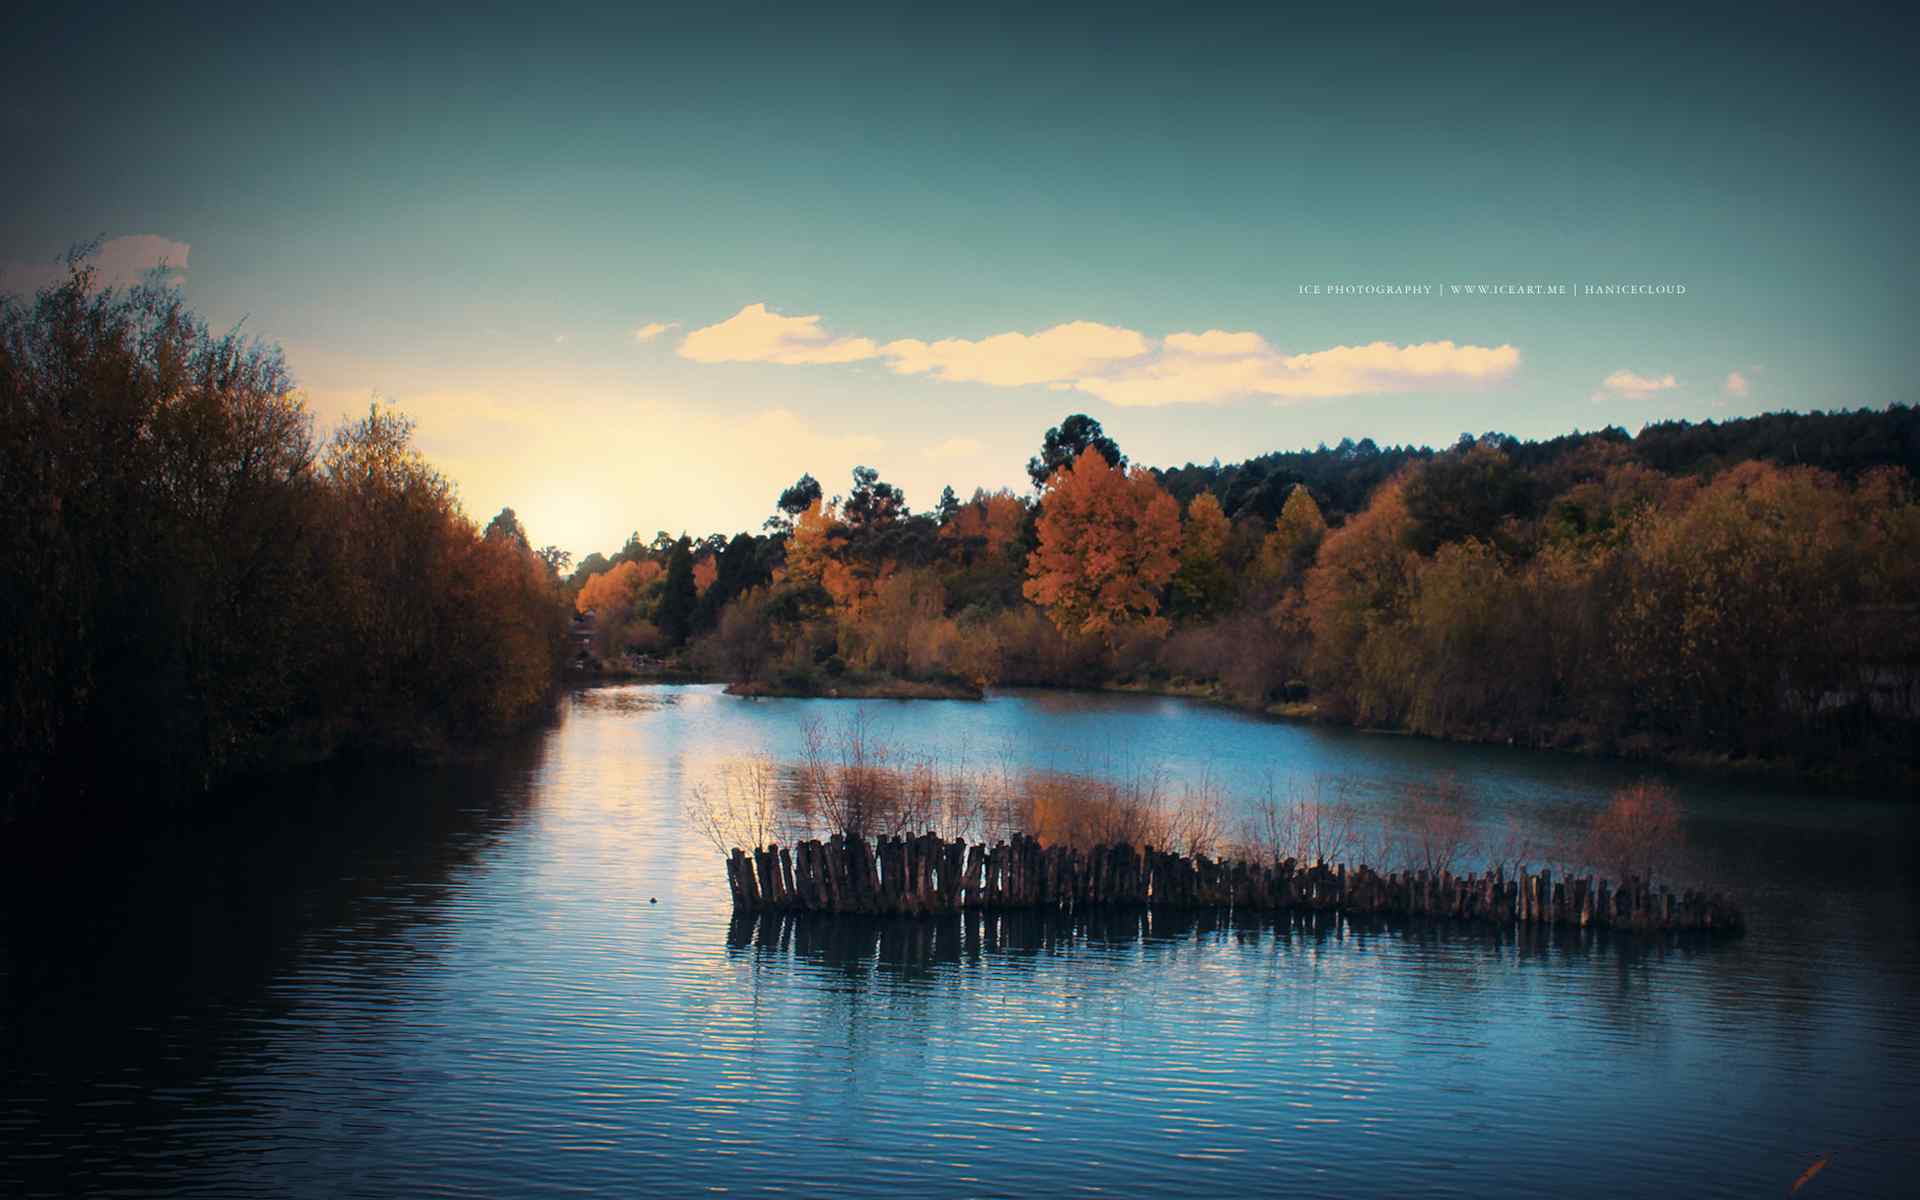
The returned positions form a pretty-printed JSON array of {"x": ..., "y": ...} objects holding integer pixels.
[
  {"x": 1435, "y": 820},
  {"x": 742, "y": 808},
  {"x": 1509, "y": 849},
  {"x": 1312, "y": 822},
  {"x": 1637, "y": 835},
  {"x": 844, "y": 781}
]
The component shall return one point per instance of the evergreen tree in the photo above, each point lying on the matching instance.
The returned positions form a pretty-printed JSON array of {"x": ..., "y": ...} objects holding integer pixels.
[
  {"x": 505, "y": 525},
  {"x": 680, "y": 599},
  {"x": 1066, "y": 442}
]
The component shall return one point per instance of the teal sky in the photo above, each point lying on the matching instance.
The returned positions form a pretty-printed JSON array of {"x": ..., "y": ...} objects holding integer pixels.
[{"x": 472, "y": 215}]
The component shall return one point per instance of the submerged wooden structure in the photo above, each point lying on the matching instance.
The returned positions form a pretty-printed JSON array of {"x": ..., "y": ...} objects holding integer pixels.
[{"x": 928, "y": 874}]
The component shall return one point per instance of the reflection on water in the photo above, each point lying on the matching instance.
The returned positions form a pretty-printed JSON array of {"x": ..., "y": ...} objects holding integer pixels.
[
  {"x": 524, "y": 977},
  {"x": 908, "y": 950}
]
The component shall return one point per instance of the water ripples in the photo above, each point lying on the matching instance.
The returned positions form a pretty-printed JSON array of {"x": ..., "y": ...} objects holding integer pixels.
[{"x": 453, "y": 983}]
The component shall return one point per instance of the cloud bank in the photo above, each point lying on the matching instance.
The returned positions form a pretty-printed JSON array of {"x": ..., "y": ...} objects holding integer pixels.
[{"x": 1122, "y": 366}]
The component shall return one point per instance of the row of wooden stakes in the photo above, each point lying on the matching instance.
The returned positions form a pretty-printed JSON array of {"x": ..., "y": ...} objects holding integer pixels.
[{"x": 928, "y": 874}]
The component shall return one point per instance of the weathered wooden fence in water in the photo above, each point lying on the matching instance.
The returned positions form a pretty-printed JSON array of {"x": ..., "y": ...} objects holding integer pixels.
[{"x": 927, "y": 874}]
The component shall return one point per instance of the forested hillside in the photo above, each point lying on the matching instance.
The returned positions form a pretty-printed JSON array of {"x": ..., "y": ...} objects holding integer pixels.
[{"x": 1739, "y": 589}]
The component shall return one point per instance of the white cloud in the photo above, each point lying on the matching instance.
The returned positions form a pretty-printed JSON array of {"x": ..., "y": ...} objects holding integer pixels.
[
  {"x": 1122, "y": 366},
  {"x": 756, "y": 335},
  {"x": 1217, "y": 341},
  {"x": 954, "y": 447},
  {"x": 1636, "y": 386},
  {"x": 1736, "y": 384},
  {"x": 1214, "y": 367},
  {"x": 120, "y": 262},
  {"x": 652, "y": 330},
  {"x": 1061, "y": 353}
]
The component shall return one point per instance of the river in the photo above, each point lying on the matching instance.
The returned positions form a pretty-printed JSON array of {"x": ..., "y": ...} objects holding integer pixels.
[{"x": 521, "y": 978}]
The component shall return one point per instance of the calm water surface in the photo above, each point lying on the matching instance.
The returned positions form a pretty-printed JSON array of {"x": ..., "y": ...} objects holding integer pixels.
[{"x": 458, "y": 981}]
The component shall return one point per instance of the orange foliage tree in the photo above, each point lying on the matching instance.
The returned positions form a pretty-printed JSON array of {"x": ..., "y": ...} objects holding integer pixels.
[
  {"x": 811, "y": 547},
  {"x": 1726, "y": 618},
  {"x": 1356, "y": 595},
  {"x": 1295, "y": 537},
  {"x": 615, "y": 590},
  {"x": 817, "y": 552},
  {"x": 1109, "y": 543},
  {"x": 987, "y": 525},
  {"x": 705, "y": 572}
]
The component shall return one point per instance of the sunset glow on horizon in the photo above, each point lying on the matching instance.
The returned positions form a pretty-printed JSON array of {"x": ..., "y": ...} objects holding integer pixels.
[{"x": 634, "y": 269}]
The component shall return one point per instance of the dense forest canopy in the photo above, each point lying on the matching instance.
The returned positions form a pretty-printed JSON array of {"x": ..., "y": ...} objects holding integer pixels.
[
  {"x": 197, "y": 585},
  {"x": 1738, "y": 588}
]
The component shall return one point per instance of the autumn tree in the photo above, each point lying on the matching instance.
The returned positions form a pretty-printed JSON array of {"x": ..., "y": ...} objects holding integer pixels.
[
  {"x": 1109, "y": 541},
  {"x": 985, "y": 541},
  {"x": 162, "y": 569},
  {"x": 816, "y": 549},
  {"x": 616, "y": 589},
  {"x": 1295, "y": 536},
  {"x": 1474, "y": 663},
  {"x": 455, "y": 634},
  {"x": 986, "y": 526},
  {"x": 901, "y": 630},
  {"x": 1356, "y": 597},
  {"x": 1727, "y": 609},
  {"x": 1203, "y": 586},
  {"x": 593, "y": 564}
]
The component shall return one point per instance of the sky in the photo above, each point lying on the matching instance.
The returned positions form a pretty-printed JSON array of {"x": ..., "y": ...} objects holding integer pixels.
[{"x": 634, "y": 268}]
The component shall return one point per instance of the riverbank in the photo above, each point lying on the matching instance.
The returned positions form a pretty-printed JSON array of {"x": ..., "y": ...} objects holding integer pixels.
[
  {"x": 597, "y": 674},
  {"x": 1858, "y": 768},
  {"x": 851, "y": 688}
]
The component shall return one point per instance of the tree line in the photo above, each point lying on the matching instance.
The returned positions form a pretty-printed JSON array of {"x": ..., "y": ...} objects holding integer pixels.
[
  {"x": 198, "y": 586},
  {"x": 195, "y": 585},
  {"x": 1749, "y": 588}
]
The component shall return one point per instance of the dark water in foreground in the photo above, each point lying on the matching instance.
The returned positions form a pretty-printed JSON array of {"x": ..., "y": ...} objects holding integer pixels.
[{"x": 452, "y": 981}]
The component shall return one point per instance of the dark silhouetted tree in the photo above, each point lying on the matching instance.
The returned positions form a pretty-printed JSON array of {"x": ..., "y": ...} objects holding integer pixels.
[
  {"x": 874, "y": 504},
  {"x": 557, "y": 560},
  {"x": 793, "y": 501},
  {"x": 680, "y": 599},
  {"x": 506, "y": 525},
  {"x": 1066, "y": 441}
]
